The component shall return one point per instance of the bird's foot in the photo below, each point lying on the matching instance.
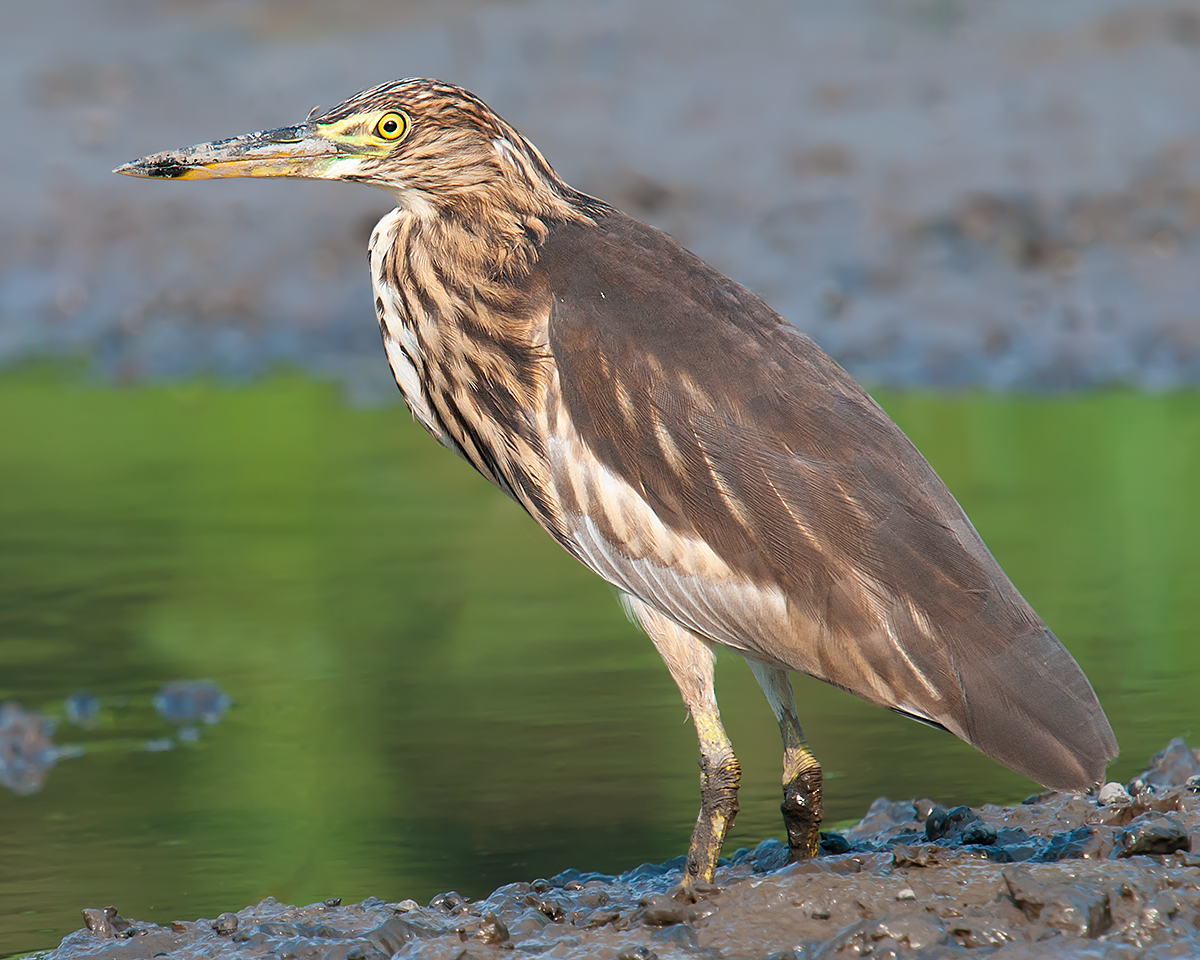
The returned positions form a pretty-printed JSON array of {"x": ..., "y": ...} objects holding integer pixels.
[
  {"x": 802, "y": 811},
  {"x": 718, "y": 808}
]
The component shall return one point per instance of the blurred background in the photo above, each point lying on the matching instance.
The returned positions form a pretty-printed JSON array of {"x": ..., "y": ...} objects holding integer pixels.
[{"x": 260, "y": 635}]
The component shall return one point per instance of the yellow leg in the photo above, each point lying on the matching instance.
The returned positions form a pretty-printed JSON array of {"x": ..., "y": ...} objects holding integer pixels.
[
  {"x": 802, "y": 805},
  {"x": 690, "y": 661},
  {"x": 720, "y": 773}
]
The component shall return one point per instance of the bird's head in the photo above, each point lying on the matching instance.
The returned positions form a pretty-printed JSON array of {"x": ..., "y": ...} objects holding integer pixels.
[{"x": 432, "y": 145}]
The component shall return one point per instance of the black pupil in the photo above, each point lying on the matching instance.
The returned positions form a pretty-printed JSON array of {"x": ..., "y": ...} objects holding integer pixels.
[{"x": 389, "y": 126}]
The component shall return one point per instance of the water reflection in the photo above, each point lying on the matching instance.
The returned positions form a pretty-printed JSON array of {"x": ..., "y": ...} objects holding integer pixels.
[
  {"x": 183, "y": 701},
  {"x": 82, "y": 709},
  {"x": 28, "y": 752},
  {"x": 186, "y": 701}
]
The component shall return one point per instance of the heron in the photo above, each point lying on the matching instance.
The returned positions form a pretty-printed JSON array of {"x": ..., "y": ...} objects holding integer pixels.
[{"x": 677, "y": 436}]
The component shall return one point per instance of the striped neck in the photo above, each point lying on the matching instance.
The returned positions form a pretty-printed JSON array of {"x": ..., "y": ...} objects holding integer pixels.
[{"x": 467, "y": 344}]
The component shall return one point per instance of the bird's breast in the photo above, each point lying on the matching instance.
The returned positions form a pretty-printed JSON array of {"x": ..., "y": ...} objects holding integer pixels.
[
  {"x": 404, "y": 348},
  {"x": 473, "y": 375}
]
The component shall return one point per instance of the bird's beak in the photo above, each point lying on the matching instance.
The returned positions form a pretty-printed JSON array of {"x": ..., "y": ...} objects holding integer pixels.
[{"x": 298, "y": 151}]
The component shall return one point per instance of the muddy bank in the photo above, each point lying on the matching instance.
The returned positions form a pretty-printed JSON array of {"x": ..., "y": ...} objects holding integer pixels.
[{"x": 1115, "y": 875}]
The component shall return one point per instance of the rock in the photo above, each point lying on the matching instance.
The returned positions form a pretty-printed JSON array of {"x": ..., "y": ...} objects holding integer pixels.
[
  {"x": 885, "y": 938},
  {"x": 548, "y": 907},
  {"x": 914, "y": 855},
  {"x": 930, "y": 854},
  {"x": 387, "y": 939},
  {"x": 972, "y": 932},
  {"x": 106, "y": 923},
  {"x": 598, "y": 918},
  {"x": 1113, "y": 792},
  {"x": 769, "y": 855},
  {"x": 834, "y": 843},
  {"x": 274, "y": 928},
  {"x": 225, "y": 924},
  {"x": 1172, "y": 766},
  {"x": 1067, "y": 845},
  {"x": 491, "y": 930},
  {"x": 1026, "y": 891},
  {"x": 1158, "y": 836},
  {"x": 937, "y": 824},
  {"x": 571, "y": 875},
  {"x": 1080, "y": 910},
  {"x": 1098, "y": 846},
  {"x": 446, "y": 901},
  {"x": 961, "y": 815},
  {"x": 1016, "y": 852},
  {"x": 1010, "y": 835},
  {"x": 659, "y": 910},
  {"x": 978, "y": 832},
  {"x": 914, "y": 931}
]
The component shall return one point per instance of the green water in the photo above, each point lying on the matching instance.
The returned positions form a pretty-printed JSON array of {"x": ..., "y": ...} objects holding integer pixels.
[{"x": 427, "y": 693}]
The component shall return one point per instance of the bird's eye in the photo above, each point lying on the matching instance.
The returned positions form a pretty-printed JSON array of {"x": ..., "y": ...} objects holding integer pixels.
[{"x": 392, "y": 126}]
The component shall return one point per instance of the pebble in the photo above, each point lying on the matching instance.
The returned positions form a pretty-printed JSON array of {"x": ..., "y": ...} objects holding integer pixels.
[
  {"x": 1159, "y": 836},
  {"x": 1113, "y": 792},
  {"x": 225, "y": 924},
  {"x": 491, "y": 930},
  {"x": 978, "y": 832}
]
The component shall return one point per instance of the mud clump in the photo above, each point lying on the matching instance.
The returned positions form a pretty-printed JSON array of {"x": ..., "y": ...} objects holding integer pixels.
[{"x": 1055, "y": 876}]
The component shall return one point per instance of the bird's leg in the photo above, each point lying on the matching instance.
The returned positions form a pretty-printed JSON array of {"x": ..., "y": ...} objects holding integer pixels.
[
  {"x": 720, "y": 773},
  {"x": 802, "y": 807},
  {"x": 690, "y": 661}
]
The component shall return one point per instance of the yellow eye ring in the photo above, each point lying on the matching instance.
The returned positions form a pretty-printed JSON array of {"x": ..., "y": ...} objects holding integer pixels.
[{"x": 392, "y": 126}]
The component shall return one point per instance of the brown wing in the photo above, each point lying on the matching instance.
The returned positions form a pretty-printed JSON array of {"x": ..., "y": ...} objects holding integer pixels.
[{"x": 729, "y": 473}]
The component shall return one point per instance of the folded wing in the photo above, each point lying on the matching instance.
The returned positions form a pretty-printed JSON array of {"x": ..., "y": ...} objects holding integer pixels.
[{"x": 715, "y": 463}]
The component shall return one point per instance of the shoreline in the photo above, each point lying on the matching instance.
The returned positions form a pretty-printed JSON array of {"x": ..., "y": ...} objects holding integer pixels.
[{"x": 1112, "y": 875}]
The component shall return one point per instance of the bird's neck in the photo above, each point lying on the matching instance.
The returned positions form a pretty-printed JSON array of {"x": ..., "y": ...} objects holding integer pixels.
[
  {"x": 463, "y": 318},
  {"x": 477, "y": 241},
  {"x": 488, "y": 208}
]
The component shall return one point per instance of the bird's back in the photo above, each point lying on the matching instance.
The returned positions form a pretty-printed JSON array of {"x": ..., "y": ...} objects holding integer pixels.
[{"x": 719, "y": 466}]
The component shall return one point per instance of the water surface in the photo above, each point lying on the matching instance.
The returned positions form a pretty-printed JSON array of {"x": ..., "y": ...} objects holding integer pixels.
[{"x": 426, "y": 692}]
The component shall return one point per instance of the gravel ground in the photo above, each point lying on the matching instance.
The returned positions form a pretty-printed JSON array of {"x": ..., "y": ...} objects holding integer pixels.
[
  {"x": 1107, "y": 876},
  {"x": 941, "y": 193}
]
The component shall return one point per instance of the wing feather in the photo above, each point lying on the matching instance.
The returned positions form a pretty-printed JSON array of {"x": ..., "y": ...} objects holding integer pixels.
[{"x": 716, "y": 464}]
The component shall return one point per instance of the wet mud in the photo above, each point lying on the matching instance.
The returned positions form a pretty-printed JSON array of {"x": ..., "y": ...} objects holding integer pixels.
[{"x": 1113, "y": 875}]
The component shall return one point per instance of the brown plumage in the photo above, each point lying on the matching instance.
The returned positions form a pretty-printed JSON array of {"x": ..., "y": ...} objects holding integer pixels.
[{"x": 676, "y": 435}]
